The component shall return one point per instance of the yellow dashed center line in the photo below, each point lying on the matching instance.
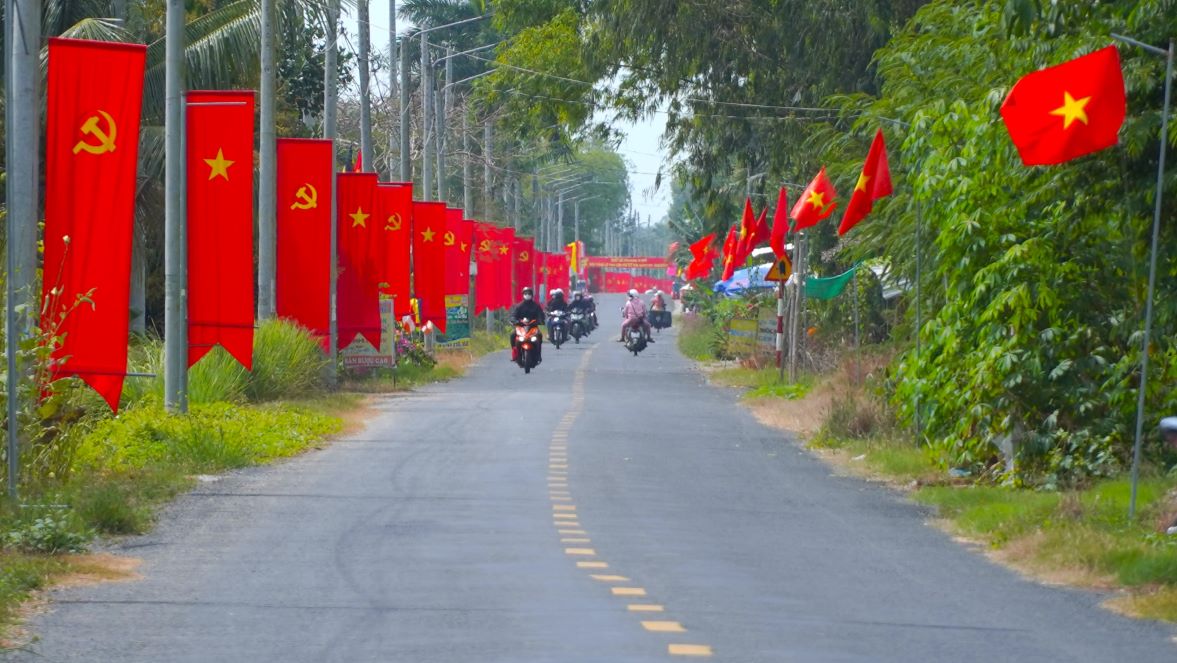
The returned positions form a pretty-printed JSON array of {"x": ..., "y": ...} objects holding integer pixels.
[
  {"x": 604, "y": 578},
  {"x": 689, "y": 650},
  {"x": 664, "y": 627},
  {"x": 573, "y": 539},
  {"x": 627, "y": 591},
  {"x": 564, "y": 507},
  {"x": 592, "y": 565},
  {"x": 571, "y": 531},
  {"x": 644, "y": 607},
  {"x": 587, "y": 552}
]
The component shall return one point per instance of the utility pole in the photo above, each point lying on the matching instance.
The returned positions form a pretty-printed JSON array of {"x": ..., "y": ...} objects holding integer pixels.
[
  {"x": 330, "y": 102},
  {"x": 22, "y": 78},
  {"x": 365, "y": 37},
  {"x": 518, "y": 203},
  {"x": 393, "y": 87},
  {"x": 406, "y": 165},
  {"x": 426, "y": 86},
  {"x": 560, "y": 221},
  {"x": 442, "y": 119},
  {"x": 267, "y": 176},
  {"x": 438, "y": 145},
  {"x": 488, "y": 154},
  {"x": 175, "y": 258},
  {"x": 467, "y": 190}
]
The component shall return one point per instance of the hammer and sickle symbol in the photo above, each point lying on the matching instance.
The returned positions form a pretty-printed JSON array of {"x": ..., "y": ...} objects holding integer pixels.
[
  {"x": 106, "y": 137},
  {"x": 394, "y": 222},
  {"x": 449, "y": 239},
  {"x": 306, "y": 200},
  {"x": 484, "y": 245},
  {"x": 524, "y": 256}
]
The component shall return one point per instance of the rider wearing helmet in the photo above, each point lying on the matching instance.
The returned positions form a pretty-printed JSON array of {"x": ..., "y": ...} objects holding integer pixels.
[
  {"x": 557, "y": 302},
  {"x": 531, "y": 310},
  {"x": 634, "y": 314},
  {"x": 579, "y": 304}
]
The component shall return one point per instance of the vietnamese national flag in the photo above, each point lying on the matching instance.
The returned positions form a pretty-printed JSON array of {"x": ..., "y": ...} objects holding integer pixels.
[
  {"x": 358, "y": 290},
  {"x": 780, "y": 225},
  {"x": 220, "y": 224},
  {"x": 704, "y": 258},
  {"x": 816, "y": 202},
  {"x": 429, "y": 222},
  {"x": 873, "y": 183},
  {"x": 394, "y": 214},
  {"x": 304, "y": 264},
  {"x": 747, "y": 231},
  {"x": 730, "y": 247},
  {"x": 95, "y": 92},
  {"x": 1064, "y": 112}
]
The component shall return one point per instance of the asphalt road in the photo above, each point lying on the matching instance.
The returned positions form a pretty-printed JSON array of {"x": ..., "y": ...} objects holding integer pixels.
[{"x": 605, "y": 508}]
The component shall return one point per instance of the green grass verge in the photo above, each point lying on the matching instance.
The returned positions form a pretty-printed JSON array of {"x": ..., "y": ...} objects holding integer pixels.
[
  {"x": 695, "y": 336},
  {"x": 763, "y": 382}
]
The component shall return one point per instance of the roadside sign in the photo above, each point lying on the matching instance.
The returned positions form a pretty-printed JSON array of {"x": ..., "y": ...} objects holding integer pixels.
[{"x": 781, "y": 270}]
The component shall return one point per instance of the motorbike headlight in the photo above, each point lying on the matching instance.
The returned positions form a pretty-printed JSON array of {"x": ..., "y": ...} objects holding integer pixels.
[{"x": 534, "y": 339}]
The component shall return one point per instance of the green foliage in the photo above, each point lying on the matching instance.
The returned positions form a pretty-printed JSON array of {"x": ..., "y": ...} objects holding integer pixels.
[
  {"x": 287, "y": 362},
  {"x": 46, "y": 533},
  {"x": 21, "y": 574},
  {"x": 217, "y": 377}
]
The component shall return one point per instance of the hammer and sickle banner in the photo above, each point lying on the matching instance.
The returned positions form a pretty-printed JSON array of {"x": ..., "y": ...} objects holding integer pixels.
[
  {"x": 524, "y": 263},
  {"x": 359, "y": 254},
  {"x": 505, "y": 265},
  {"x": 458, "y": 238},
  {"x": 486, "y": 255},
  {"x": 557, "y": 264},
  {"x": 429, "y": 265},
  {"x": 304, "y": 265},
  {"x": 95, "y": 91},
  {"x": 220, "y": 224},
  {"x": 394, "y": 210}
]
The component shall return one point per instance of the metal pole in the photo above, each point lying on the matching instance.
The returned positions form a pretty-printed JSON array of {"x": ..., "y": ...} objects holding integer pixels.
[
  {"x": 560, "y": 222},
  {"x": 487, "y": 154},
  {"x": 780, "y": 330},
  {"x": 576, "y": 221},
  {"x": 365, "y": 38},
  {"x": 518, "y": 202},
  {"x": 1152, "y": 279},
  {"x": 393, "y": 88},
  {"x": 175, "y": 269},
  {"x": 425, "y": 87},
  {"x": 267, "y": 177},
  {"x": 798, "y": 298},
  {"x": 919, "y": 222},
  {"x": 23, "y": 129},
  {"x": 857, "y": 328},
  {"x": 467, "y": 191},
  {"x": 442, "y": 129},
  {"x": 406, "y": 164},
  {"x": 438, "y": 140},
  {"x": 330, "y": 103}
]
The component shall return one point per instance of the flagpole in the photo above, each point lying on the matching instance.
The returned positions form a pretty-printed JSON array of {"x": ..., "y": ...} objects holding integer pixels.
[
  {"x": 330, "y": 101},
  {"x": 175, "y": 269},
  {"x": 857, "y": 327},
  {"x": 1152, "y": 265}
]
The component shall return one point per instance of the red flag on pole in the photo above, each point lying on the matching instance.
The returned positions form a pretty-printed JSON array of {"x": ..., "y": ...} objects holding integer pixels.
[
  {"x": 524, "y": 263},
  {"x": 429, "y": 224},
  {"x": 1064, "y": 112},
  {"x": 95, "y": 90},
  {"x": 220, "y": 224},
  {"x": 780, "y": 225},
  {"x": 558, "y": 271},
  {"x": 457, "y": 252},
  {"x": 304, "y": 262},
  {"x": 394, "y": 209},
  {"x": 486, "y": 281},
  {"x": 704, "y": 258},
  {"x": 358, "y": 290},
  {"x": 816, "y": 202},
  {"x": 730, "y": 247},
  {"x": 873, "y": 183},
  {"x": 504, "y": 263}
]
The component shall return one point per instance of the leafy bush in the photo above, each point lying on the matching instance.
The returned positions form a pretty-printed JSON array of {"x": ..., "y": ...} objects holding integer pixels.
[
  {"x": 217, "y": 378},
  {"x": 287, "y": 362},
  {"x": 49, "y": 533}
]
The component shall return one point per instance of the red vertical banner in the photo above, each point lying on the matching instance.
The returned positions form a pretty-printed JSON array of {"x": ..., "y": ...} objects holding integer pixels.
[
  {"x": 558, "y": 271},
  {"x": 304, "y": 262},
  {"x": 358, "y": 291},
  {"x": 506, "y": 266},
  {"x": 394, "y": 211},
  {"x": 220, "y": 223},
  {"x": 486, "y": 281},
  {"x": 95, "y": 91},
  {"x": 429, "y": 261},
  {"x": 541, "y": 271},
  {"x": 457, "y": 252},
  {"x": 524, "y": 264}
]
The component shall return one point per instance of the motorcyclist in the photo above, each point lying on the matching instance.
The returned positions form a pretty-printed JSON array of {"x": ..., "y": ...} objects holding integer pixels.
[
  {"x": 531, "y": 310},
  {"x": 658, "y": 303},
  {"x": 579, "y": 304},
  {"x": 592, "y": 308},
  {"x": 557, "y": 302},
  {"x": 634, "y": 314}
]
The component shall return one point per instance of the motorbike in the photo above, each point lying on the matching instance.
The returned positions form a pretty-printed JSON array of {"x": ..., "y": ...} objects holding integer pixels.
[
  {"x": 577, "y": 325},
  {"x": 635, "y": 340},
  {"x": 527, "y": 339},
  {"x": 660, "y": 319},
  {"x": 558, "y": 328}
]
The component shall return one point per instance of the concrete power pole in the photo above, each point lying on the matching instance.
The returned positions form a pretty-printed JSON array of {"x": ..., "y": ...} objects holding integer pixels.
[
  {"x": 267, "y": 183},
  {"x": 488, "y": 155},
  {"x": 175, "y": 258},
  {"x": 330, "y": 101},
  {"x": 393, "y": 73},
  {"x": 467, "y": 190},
  {"x": 442, "y": 129},
  {"x": 426, "y": 87},
  {"x": 406, "y": 164},
  {"x": 368, "y": 157}
]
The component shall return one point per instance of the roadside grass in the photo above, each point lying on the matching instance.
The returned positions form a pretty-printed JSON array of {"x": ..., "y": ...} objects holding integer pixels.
[
  {"x": 762, "y": 382},
  {"x": 450, "y": 363},
  {"x": 695, "y": 337}
]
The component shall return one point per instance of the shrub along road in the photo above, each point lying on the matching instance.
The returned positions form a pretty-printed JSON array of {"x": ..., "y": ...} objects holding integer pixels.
[{"x": 603, "y": 508}]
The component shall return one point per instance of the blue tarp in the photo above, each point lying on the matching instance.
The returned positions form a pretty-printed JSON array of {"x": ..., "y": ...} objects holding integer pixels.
[{"x": 743, "y": 279}]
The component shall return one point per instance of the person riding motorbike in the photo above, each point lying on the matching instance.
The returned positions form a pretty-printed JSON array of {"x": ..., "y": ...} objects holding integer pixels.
[
  {"x": 557, "y": 302},
  {"x": 658, "y": 303},
  {"x": 531, "y": 310},
  {"x": 634, "y": 314},
  {"x": 592, "y": 308},
  {"x": 579, "y": 304}
]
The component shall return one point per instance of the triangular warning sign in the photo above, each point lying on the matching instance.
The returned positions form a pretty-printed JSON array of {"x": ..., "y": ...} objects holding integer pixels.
[{"x": 781, "y": 270}]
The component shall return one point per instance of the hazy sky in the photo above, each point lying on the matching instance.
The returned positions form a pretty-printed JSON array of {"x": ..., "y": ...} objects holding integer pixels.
[{"x": 641, "y": 146}]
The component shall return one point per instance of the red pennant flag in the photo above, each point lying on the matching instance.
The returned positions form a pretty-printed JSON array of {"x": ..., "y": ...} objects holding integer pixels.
[
  {"x": 486, "y": 281},
  {"x": 747, "y": 230},
  {"x": 1064, "y": 112},
  {"x": 558, "y": 272},
  {"x": 457, "y": 252},
  {"x": 504, "y": 262},
  {"x": 220, "y": 224},
  {"x": 704, "y": 258},
  {"x": 524, "y": 263},
  {"x": 394, "y": 211},
  {"x": 429, "y": 224},
  {"x": 816, "y": 202},
  {"x": 303, "y": 280},
  {"x": 358, "y": 166},
  {"x": 780, "y": 225},
  {"x": 95, "y": 90},
  {"x": 730, "y": 247},
  {"x": 873, "y": 183},
  {"x": 358, "y": 290}
]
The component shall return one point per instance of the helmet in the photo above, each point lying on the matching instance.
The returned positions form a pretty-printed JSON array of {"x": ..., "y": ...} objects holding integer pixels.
[
  {"x": 633, "y": 292},
  {"x": 527, "y": 294},
  {"x": 557, "y": 291},
  {"x": 577, "y": 295}
]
